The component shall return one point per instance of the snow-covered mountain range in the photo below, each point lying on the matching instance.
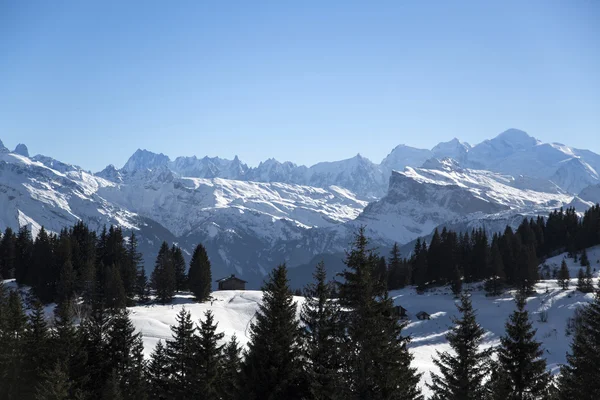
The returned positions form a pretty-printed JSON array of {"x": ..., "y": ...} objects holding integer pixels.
[{"x": 252, "y": 218}]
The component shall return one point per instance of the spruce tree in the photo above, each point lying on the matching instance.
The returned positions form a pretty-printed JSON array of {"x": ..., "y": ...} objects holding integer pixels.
[
  {"x": 229, "y": 387},
  {"x": 112, "y": 389},
  {"x": 585, "y": 283},
  {"x": 12, "y": 348},
  {"x": 115, "y": 296},
  {"x": 181, "y": 357},
  {"x": 208, "y": 358},
  {"x": 142, "y": 286},
  {"x": 200, "y": 274},
  {"x": 54, "y": 384},
  {"x": 583, "y": 260},
  {"x": 272, "y": 368},
  {"x": 158, "y": 374},
  {"x": 456, "y": 282},
  {"x": 399, "y": 273},
  {"x": 377, "y": 361},
  {"x": 37, "y": 350},
  {"x": 66, "y": 282},
  {"x": 179, "y": 266},
  {"x": 520, "y": 358},
  {"x": 323, "y": 338},
  {"x": 563, "y": 276},
  {"x": 579, "y": 377},
  {"x": 120, "y": 342},
  {"x": 23, "y": 255},
  {"x": 163, "y": 276},
  {"x": 495, "y": 281},
  {"x": 462, "y": 372},
  {"x": 130, "y": 269},
  {"x": 8, "y": 253}
]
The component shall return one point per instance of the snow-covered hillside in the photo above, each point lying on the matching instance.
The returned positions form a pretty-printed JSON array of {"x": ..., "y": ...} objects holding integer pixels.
[{"x": 234, "y": 311}]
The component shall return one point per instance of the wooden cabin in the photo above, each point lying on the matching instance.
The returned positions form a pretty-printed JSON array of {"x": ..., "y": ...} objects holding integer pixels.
[
  {"x": 400, "y": 312},
  {"x": 231, "y": 283},
  {"x": 422, "y": 315}
]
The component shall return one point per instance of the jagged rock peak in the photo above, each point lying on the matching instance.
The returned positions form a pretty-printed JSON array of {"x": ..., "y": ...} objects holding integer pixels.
[
  {"x": 2, "y": 148},
  {"x": 22, "y": 150},
  {"x": 517, "y": 138},
  {"x": 144, "y": 159}
]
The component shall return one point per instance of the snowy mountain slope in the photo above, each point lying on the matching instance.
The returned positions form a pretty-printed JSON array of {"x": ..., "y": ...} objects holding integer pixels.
[
  {"x": 235, "y": 310},
  {"x": 404, "y": 156},
  {"x": 574, "y": 174},
  {"x": 454, "y": 149}
]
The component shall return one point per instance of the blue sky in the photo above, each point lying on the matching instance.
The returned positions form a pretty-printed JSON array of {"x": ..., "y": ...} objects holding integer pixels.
[{"x": 90, "y": 82}]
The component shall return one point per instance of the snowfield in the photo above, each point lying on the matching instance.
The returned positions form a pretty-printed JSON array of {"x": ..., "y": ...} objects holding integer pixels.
[{"x": 235, "y": 310}]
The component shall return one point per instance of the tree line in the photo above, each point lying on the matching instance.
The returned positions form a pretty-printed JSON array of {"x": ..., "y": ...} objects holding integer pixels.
[
  {"x": 510, "y": 259},
  {"x": 104, "y": 269}
]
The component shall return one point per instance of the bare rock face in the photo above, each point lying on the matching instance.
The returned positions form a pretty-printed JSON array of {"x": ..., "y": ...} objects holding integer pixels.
[{"x": 22, "y": 150}]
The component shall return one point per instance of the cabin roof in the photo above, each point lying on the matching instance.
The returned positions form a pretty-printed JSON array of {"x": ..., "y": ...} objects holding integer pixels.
[{"x": 230, "y": 278}]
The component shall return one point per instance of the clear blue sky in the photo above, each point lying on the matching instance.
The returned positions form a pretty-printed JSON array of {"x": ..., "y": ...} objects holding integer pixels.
[{"x": 89, "y": 82}]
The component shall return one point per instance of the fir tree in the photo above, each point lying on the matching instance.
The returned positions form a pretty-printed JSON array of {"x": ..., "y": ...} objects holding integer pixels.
[
  {"x": 271, "y": 368},
  {"x": 135, "y": 378},
  {"x": 579, "y": 377},
  {"x": 180, "y": 353},
  {"x": 8, "y": 254},
  {"x": 208, "y": 356},
  {"x": 563, "y": 276},
  {"x": 163, "y": 276},
  {"x": 12, "y": 348},
  {"x": 179, "y": 266},
  {"x": 520, "y": 358},
  {"x": 112, "y": 389},
  {"x": 23, "y": 254},
  {"x": 323, "y": 338},
  {"x": 376, "y": 362},
  {"x": 142, "y": 286},
  {"x": 585, "y": 282},
  {"x": 36, "y": 350},
  {"x": 463, "y": 371},
  {"x": 230, "y": 370},
  {"x": 200, "y": 274},
  {"x": 398, "y": 275},
  {"x": 120, "y": 342},
  {"x": 66, "y": 282}
]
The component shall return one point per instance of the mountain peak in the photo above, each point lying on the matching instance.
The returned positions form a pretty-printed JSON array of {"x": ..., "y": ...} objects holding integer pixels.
[
  {"x": 517, "y": 137},
  {"x": 144, "y": 159},
  {"x": 22, "y": 150},
  {"x": 2, "y": 148}
]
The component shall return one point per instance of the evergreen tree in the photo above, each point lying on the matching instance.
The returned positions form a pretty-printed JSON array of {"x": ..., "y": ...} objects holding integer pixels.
[
  {"x": 456, "y": 282},
  {"x": 54, "y": 384},
  {"x": 163, "y": 276},
  {"x": 23, "y": 255},
  {"x": 419, "y": 265},
  {"x": 158, "y": 374},
  {"x": 209, "y": 358},
  {"x": 495, "y": 281},
  {"x": 377, "y": 361},
  {"x": 115, "y": 296},
  {"x": 579, "y": 377},
  {"x": 323, "y": 338},
  {"x": 520, "y": 358},
  {"x": 135, "y": 378},
  {"x": 230, "y": 370},
  {"x": 583, "y": 260},
  {"x": 42, "y": 268},
  {"x": 271, "y": 368},
  {"x": 563, "y": 276},
  {"x": 66, "y": 282},
  {"x": 179, "y": 266},
  {"x": 119, "y": 354},
  {"x": 8, "y": 253},
  {"x": 399, "y": 273},
  {"x": 181, "y": 357},
  {"x": 36, "y": 350},
  {"x": 200, "y": 274},
  {"x": 527, "y": 265},
  {"x": 463, "y": 371},
  {"x": 130, "y": 270},
  {"x": 585, "y": 282},
  {"x": 112, "y": 389},
  {"x": 12, "y": 348},
  {"x": 142, "y": 287}
]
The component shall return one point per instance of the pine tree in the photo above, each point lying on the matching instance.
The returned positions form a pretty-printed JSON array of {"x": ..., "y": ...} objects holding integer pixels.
[
  {"x": 23, "y": 255},
  {"x": 323, "y": 338},
  {"x": 112, "y": 389},
  {"x": 179, "y": 266},
  {"x": 229, "y": 387},
  {"x": 208, "y": 358},
  {"x": 463, "y": 371},
  {"x": 520, "y": 358},
  {"x": 66, "y": 282},
  {"x": 135, "y": 377},
  {"x": 271, "y": 368},
  {"x": 95, "y": 342},
  {"x": 579, "y": 377},
  {"x": 399, "y": 273},
  {"x": 419, "y": 262},
  {"x": 158, "y": 374},
  {"x": 585, "y": 282},
  {"x": 8, "y": 253},
  {"x": 376, "y": 362},
  {"x": 563, "y": 276},
  {"x": 115, "y": 296},
  {"x": 181, "y": 354},
  {"x": 200, "y": 274},
  {"x": 163, "y": 276},
  {"x": 120, "y": 342}
]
